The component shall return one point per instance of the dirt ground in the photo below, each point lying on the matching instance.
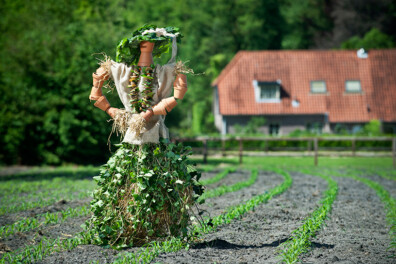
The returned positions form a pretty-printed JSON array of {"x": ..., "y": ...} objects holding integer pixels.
[{"x": 356, "y": 231}]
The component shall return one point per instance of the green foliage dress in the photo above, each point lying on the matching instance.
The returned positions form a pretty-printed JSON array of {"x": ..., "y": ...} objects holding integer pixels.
[{"x": 144, "y": 193}]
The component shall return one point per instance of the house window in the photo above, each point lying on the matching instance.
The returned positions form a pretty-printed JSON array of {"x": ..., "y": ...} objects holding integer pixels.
[
  {"x": 273, "y": 129},
  {"x": 318, "y": 87},
  {"x": 315, "y": 127},
  {"x": 267, "y": 91},
  {"x": 353, "y": 87}
]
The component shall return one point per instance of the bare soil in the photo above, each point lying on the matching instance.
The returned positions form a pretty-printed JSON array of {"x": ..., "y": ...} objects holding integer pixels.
[{"x": 356, "y": 231}]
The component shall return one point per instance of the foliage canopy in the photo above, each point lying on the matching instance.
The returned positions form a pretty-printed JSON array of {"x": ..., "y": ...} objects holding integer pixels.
[{"x": 48, "y": 51}]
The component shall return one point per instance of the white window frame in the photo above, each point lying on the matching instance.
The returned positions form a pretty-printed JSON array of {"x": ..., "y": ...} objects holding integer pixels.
[
  {"x": 257, "y": 92},
  {"x": 349, "y": 91},
  {"x": 317, "y": 81}
]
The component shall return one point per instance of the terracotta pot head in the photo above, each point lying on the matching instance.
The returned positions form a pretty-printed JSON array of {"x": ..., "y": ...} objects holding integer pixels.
[{"x": 146, "y": 55}]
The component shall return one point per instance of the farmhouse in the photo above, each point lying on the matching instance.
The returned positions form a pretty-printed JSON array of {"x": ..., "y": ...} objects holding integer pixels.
[{"x": 307, "y": 89}]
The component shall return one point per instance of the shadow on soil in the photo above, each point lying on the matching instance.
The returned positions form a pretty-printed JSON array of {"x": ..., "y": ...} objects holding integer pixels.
[{"x": 222, "y": 244}]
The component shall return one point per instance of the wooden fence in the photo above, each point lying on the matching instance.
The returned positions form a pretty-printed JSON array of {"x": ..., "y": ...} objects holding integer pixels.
[{"x": 311, "y": 141}]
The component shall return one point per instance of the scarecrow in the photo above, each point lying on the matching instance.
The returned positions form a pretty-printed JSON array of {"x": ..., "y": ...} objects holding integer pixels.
[{"x": 148, "y": 187}]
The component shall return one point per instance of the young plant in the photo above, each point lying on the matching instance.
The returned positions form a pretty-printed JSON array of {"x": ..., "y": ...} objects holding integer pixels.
[
  {"x": 218, "y": 176},
  {"x": 233, "y": 188},
  {"x": 299, "y": 242},
  {"x": 388, "y": 201}
]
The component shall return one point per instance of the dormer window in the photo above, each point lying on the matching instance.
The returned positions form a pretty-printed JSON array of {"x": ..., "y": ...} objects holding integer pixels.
[
  {"x": 353, "y": 86},
  {"x": 267, "y": 92},
  {"x": 318, "y": 87}
]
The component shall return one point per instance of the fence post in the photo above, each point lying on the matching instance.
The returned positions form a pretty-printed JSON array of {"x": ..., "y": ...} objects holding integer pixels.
[
  {"x": 353, "y": 147},
  {"x": 240, "y": 150},
  {"x": 223, "y": 147},
  {"x": 205, "y": 151},
  {"x": 316, "y": 150},
  {"x": 266, "y": 145},
  {"x": 394, "y": 152}
]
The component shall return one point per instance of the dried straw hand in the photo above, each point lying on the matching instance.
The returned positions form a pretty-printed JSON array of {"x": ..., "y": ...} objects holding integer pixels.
[
  {"x": 181, "y": 67},
  {"x": 124, "y": 120},
  {"x": 137, "y": 124},
  {"x": 105, "y": 63},
  {"x": 120, "y": 122}
]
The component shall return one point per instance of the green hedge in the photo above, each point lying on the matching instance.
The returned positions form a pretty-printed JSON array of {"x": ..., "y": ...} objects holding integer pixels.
[{"x": 261, "y": 145}]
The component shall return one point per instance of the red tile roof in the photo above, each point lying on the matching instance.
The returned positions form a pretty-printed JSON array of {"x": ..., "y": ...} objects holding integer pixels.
[{"x": 296, "y": 69}]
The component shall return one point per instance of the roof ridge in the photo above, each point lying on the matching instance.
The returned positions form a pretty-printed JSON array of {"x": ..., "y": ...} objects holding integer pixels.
[{"x": 229, "y": 66}]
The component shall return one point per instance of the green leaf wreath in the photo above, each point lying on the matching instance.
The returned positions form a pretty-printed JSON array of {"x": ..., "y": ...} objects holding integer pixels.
[{"x": 128, "y": 49}]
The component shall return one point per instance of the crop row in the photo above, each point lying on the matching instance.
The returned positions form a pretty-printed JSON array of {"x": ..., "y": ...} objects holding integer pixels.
[
  {"x": 388, "y": 201},
  {"x": 389, "y": 175},
  {"x": 230, "y": 188},
  {"x": 299, "y": 242},
  {"x": 17, "y": 202},
  {"x": 47, "y": 245},
  {"x": 33, "y": 181},
  {"x": 153, "y": 249},
  {"x": 30, "y": 223},
  {"x": 41, "y": 202},
  {"x": 219, "y": 176},
  {"x": 291, "y": 249}
]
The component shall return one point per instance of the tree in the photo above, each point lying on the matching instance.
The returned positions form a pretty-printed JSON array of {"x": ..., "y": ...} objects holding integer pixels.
[
  {"x": 306, "y": 20},
  {"x": 356, "y": 18},
  {"x": 374, "y": 39}
]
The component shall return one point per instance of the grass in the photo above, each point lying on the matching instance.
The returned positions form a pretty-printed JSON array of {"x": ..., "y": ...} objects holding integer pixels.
[{"x": 292, "y": 163}]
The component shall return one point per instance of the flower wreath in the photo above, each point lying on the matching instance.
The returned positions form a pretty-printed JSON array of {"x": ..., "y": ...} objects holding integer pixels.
[{"x": 128, "y": 49}]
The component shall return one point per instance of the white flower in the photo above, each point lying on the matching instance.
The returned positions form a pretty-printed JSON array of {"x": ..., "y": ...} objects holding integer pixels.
[
  {"x": 179, "y": 182},
  {"x": 159, "y": 32}
]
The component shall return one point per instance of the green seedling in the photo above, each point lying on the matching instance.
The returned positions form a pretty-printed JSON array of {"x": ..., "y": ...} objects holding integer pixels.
[{"x": 299, "y": 242}]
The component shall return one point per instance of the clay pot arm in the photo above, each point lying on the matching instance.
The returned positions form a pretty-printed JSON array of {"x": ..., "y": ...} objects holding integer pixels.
[
  {"x": 180, "y": 86},
  {"x": 164, "y": 106},
  {"x": 104, "y": 105},
  {"x": 147, "y": 115},
  {"x": 98, "y": 77}
]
